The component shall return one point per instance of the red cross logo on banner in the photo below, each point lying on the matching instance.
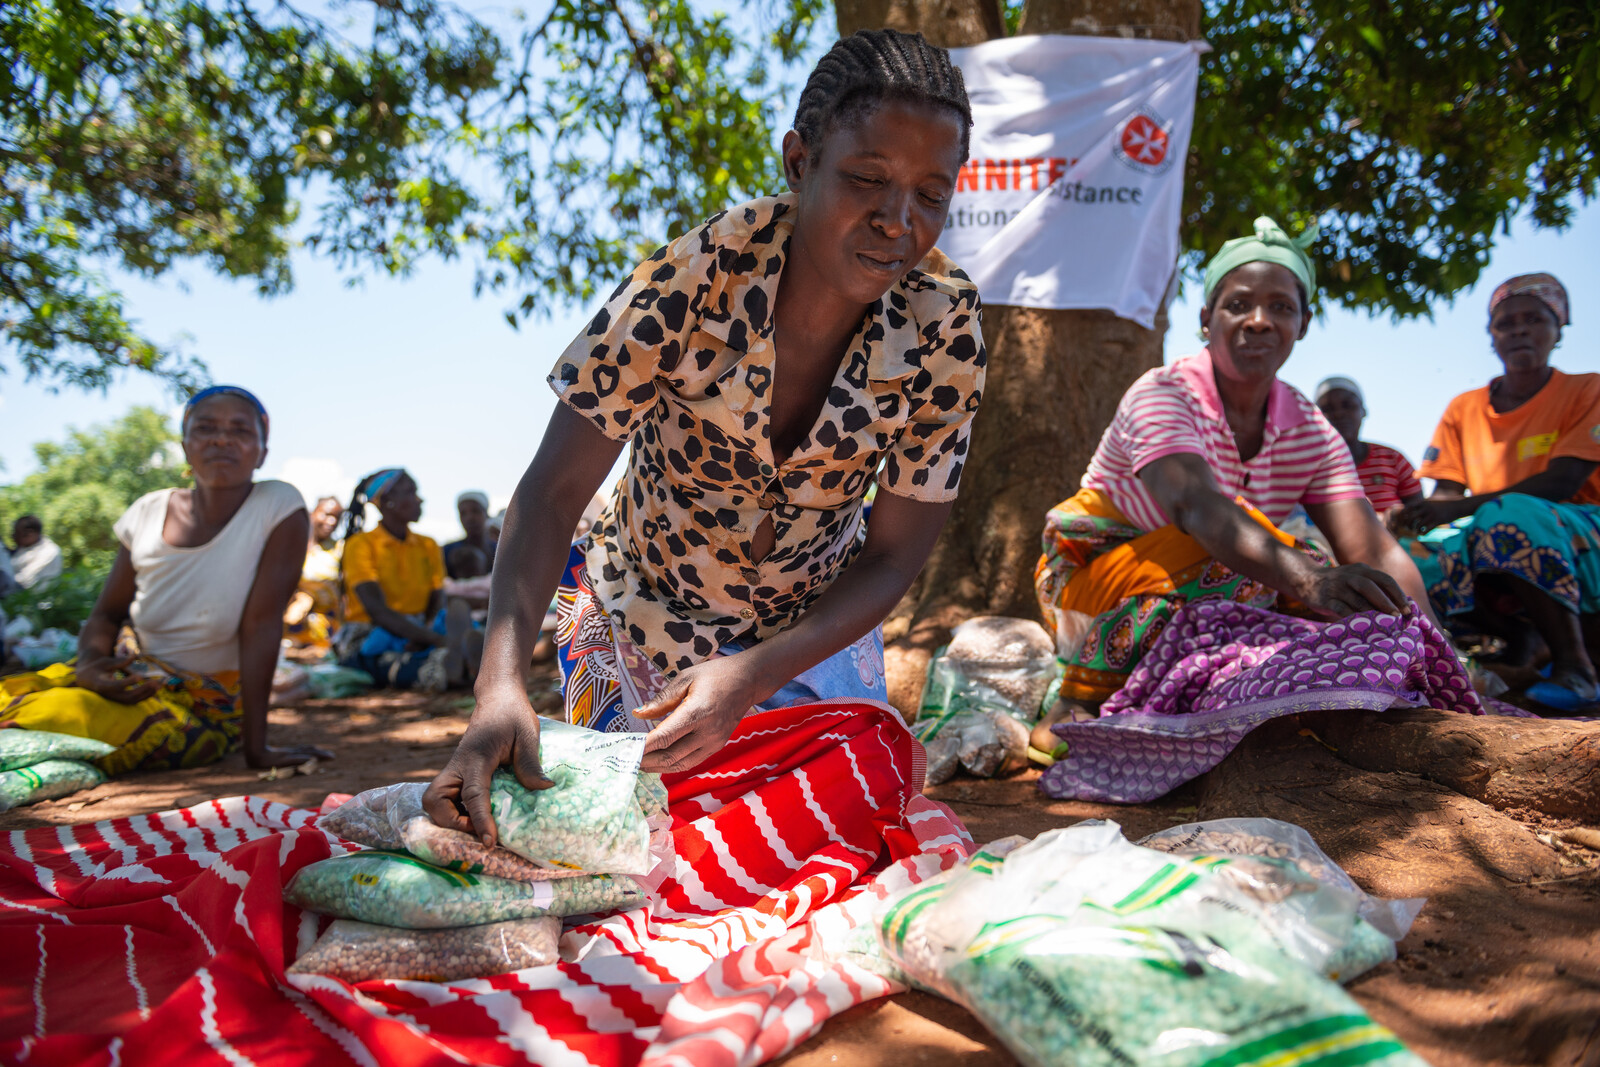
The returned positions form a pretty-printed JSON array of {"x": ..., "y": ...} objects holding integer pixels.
[{"x": 1144, "y": 142}]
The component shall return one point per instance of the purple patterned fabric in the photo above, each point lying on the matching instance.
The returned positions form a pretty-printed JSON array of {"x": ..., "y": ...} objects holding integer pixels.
[{"x": 1221, "y": 669}]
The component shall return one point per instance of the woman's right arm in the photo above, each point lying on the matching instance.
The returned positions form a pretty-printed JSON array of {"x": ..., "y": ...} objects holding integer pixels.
[
  {"x": 99, "y": 668},
  {"x": 1184, "y": 487},
  {"x": 572, "y": 461},
  {"x": 1560, "y": 481}
]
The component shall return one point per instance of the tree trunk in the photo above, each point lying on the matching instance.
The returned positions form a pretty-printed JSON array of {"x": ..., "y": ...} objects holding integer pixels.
[{"x": 1055, "y": 377}]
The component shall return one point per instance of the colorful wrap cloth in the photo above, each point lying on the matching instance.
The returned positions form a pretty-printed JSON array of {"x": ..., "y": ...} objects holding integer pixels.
[
  {"x": 163, "y": 939},
  {"x": 604, "y": 678},
  {"x": 390, "y": 659},
  {"x": 192, "y": 720},
  {"x": 313, "y": 613},
  {"x": 1107, "y": 589},
  {"x": 1220, "y": 670},
  {"x": 1553, "y": 547}
]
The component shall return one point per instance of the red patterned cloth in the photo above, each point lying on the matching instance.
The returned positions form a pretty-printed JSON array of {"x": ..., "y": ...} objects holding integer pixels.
[{"x": 163, "y": 939}]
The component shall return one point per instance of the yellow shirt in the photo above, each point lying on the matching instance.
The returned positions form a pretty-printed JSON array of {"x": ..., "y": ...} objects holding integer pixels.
[{"x": 407, "y": 571}]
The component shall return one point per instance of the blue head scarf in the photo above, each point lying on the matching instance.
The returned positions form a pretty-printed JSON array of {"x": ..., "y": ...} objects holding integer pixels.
[{"x": 226, "y": 390}]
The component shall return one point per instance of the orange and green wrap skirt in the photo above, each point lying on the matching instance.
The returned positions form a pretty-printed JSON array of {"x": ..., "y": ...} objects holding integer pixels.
[{"x": 1107, "y": 589}]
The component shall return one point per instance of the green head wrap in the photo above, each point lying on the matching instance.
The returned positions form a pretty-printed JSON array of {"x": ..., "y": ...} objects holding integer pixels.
[{"x": 1269, "y": 245}]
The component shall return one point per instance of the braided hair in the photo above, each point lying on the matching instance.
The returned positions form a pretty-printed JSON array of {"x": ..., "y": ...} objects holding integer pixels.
[
  {"x": 870, "y": 67},
  {"x": 371, "y": 488}
]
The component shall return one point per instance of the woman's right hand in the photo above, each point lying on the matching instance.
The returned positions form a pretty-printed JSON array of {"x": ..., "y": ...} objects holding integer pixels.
[
  {"x": 1355, "y": 587},
  {"x": 105, "y": 675},
  {"x": 503, "y": 730}
]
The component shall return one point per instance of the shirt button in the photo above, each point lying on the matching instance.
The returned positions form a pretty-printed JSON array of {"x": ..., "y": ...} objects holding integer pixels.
[
  {"x": 768, "y": 502},
  {"x": 766, "y": 470},
  {"x": 747, "y": 613},
  {"x": 749, "y": 574}
]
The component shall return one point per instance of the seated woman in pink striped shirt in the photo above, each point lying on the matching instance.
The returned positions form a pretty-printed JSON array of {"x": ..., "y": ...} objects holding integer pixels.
[{"x": 1203, "y": 461}]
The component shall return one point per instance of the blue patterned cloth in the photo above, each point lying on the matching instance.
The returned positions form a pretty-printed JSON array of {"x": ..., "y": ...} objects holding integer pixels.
[
  {"x": 603, "y": 678},
  {"x": 1553, "y": 547}
]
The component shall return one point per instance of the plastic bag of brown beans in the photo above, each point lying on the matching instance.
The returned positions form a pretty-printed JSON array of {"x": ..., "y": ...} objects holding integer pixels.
[{"x": 359, "y": 952}]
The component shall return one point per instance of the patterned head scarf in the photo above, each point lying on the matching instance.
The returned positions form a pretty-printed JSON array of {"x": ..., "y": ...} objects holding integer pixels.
[
  {"x": 379, "y": 482},
  {"x": 1269, "y": 244},
  {"x": 225, "y": 390},
  {"x": 1550, "y": 292},
  {"x": 369, "y": 490}
]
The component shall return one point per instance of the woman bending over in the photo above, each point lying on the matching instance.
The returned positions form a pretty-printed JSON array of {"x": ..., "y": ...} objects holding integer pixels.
[{"x": 763, "y": 365}]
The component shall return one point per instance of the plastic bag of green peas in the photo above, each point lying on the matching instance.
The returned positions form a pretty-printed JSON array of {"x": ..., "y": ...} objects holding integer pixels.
[
  {"x": 1082, "y": 948},
  {"x": 46, "y": 780},
  {"x": 597, "y": 815},
  {"x": 24, "y": 748},
  {"x": 396, "y": 889},
  {"x": 603, "y": 815}
]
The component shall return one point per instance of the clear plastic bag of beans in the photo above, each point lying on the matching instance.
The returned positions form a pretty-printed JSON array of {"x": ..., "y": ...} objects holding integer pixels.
[
  {"x": 364, "y": 818},
  {"x": 1080, "y": 947},
  {"x": 983, "y": 739},
  {"x": 595, "y": 817},
  {"x": 359, "y": 952},
  {"x": 396, "y": 889},
  {"x": 1011, "y": 662},
  {"x": 46, "y": 780},
  {"x": 1278, "y": 840},
  {"x": 24, "y": 748}
]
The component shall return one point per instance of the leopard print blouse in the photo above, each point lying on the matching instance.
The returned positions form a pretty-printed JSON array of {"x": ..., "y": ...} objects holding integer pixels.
[{"x": 680, "y": 361}]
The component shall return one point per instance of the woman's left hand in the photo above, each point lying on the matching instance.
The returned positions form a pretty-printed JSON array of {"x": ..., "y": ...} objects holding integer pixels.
[
  {"x": 1425, "y": 515},
  {"x": 702, "y": 707}
]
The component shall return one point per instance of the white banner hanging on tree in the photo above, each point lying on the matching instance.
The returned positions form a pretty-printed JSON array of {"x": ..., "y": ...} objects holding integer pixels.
[{"x": 1071, "y": 197}]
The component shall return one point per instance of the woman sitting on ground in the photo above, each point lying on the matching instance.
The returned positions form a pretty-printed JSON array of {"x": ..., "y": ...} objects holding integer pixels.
[
  {"x": 202, "y": 578},
  {"x": 1514, "y": 547},
  {"x": 1387, "y": 477},
  {"x": 314, "y": 609},
  {"x": 764, "y": 365},
  {"x": 397, "y": 626},
  {"x": 1183, "y": 496},
  {"x": 472, "y": 507}
]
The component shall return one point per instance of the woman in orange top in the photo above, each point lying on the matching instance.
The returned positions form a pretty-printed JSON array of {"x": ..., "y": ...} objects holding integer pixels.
[{"x": 1514, "y": 547}]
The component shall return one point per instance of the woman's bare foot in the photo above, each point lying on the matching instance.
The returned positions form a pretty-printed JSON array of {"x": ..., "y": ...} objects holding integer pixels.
[
  {"x": 1580, "y": 682},
  {"x": 1065, "y": 710}
]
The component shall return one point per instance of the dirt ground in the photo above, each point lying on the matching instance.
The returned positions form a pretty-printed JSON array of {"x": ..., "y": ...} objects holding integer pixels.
[{"x": 1493, "y": 820}]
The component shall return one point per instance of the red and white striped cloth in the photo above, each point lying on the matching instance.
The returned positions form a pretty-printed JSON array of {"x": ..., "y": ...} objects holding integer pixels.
[{"x": 163, "y": 939}]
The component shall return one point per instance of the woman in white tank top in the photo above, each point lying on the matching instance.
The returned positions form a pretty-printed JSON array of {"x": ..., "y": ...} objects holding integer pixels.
[{"x": 202, "y": 577}]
